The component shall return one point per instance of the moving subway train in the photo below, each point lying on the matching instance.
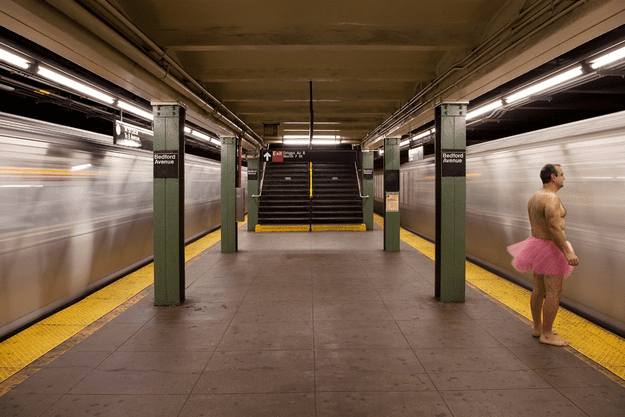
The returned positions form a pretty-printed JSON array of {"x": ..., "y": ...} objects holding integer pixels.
[
  {"x": 501, "y": 177},
  {"x": 77, "y": 213}
]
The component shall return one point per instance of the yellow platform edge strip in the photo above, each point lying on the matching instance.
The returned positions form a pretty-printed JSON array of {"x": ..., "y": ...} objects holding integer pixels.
[
  {"x": 339, "y": 227},
  {"x": 590, "y": 340},
  {"x": 33, "y": 342},
  {"x": 261, "y": 228}
]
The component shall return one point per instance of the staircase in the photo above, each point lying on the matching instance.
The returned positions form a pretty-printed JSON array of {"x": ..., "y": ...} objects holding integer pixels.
[
  {"x": 286, "y": 197},
  {"x": 336, "y": 197}
]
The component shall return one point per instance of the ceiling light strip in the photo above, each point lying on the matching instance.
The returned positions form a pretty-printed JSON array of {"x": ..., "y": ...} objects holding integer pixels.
[
  {"x": 13, "y": 59},
  {"x": 74, "y": 85}
]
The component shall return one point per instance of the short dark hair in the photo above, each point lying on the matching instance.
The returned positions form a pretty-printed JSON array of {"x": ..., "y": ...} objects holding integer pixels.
[{"x": 546, "y": 171}]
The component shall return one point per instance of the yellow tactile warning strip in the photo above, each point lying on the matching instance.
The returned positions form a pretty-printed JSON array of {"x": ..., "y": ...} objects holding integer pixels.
[
  {"x": 339, "y": 227},
  {"x": 595, "y": 343},
  {"x": 309, "y": 228},
  {"x": 282, "y": 228},
  {"x": 25, "y": 347}
]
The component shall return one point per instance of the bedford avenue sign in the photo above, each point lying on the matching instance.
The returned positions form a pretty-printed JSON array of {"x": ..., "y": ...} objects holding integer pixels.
[
  {"x": 165, "y": 164},
  {"x": 453, "y": 163}
]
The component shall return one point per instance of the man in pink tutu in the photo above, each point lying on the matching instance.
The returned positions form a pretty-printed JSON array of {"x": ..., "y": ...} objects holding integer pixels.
[{"x": 547, "y": 253}]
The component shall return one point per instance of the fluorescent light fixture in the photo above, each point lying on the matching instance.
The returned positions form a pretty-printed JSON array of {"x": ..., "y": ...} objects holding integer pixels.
[
  {"x": 381, "y": 151},
  {"x": 205, "y": 137},
  {"x": 135, "y": 110},
  {"x": 306, "y": 132},
  {"x": 424, "y": 134},
  {"x": 551, "y": 82},
  {"x": 80, "y": 167},
  {"x": 187, "y": 130},
  {"x": 21, "y": 186},
  {"x": 74, "y": 85},
  {"x": 308, "y": 123},
  {"x": 485, "y": 109},
  {"x": 295, "y": 142},
  {"x": 13, "y": 59},
  {"x": 608, "y": 58},
  {"x": 404, "y": 143},
  {"x": 288, "y": 137},
  {"x": 201, "y": 135},
  {"x": 316, "y": 141}
]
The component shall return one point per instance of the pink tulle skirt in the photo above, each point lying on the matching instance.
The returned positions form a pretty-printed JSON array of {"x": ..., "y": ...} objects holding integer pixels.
[{"x": 541, "y": 256}]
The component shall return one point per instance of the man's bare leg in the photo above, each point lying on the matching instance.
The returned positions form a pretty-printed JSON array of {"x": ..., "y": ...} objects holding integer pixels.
[
  {"x": 536, "y": 303},
  {"x": 553, "y": 292}
]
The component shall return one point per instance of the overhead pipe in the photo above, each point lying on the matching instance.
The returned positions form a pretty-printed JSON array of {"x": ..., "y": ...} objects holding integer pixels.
[
  {"x": 475, "y": 54},
  {"x": 406, "y": 111},
  {"x": 237, "y": 123},
  {"x": 87, "y": 19}
]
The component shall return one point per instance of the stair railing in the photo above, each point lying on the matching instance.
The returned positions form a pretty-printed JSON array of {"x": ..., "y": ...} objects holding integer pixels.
[
  {"x": 358, "y": 181},
  {"x": 262, "y": 181}
]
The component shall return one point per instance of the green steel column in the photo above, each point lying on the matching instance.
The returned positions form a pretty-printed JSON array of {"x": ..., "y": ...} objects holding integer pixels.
[
  {"x": 253, "y": 186},
  {"x": 228, "y": 194},
  {"x": 451, "y": 193},
  {"x": 168, "y": 193},
  {"x": 391, "y": 195},
  {"x": 367, "y": 188}
]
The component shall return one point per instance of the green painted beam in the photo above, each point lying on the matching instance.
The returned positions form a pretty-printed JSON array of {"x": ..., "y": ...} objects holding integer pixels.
[
  {"x": 228, "y": 195},
  {"x": 367, "y": 189},
  {"x": 450, "y": 202},
  {"x": 391, "y": 195},
  {"x": 253, "y": 187},
  {"x": 168, "y": 201}
]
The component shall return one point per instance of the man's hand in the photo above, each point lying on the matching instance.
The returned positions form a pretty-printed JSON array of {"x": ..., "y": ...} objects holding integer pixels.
[{"x": 572, "y": 259}]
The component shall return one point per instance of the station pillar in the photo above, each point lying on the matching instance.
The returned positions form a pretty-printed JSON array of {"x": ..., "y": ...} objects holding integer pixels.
[
  {"x": 367, "y": 189},
  {"x": 168, "y": 200},
  {"x": 253, "y": 187},
  {"x": 391, "y": 194},
  {"x": 229, "y": 238},
  {"x": 450, "y": 202}
]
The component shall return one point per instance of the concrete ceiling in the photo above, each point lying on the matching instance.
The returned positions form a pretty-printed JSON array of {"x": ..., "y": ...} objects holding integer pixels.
[
  {"x": 365, "y": 59},
  {"x": 376, "y": 68}
]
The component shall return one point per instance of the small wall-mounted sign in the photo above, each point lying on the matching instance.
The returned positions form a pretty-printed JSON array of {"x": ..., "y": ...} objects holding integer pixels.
[
  {"x": 165, "y": 164},
  {"x": 252, "y": 174},
  {"x": 126, "y": 134},
  {"x": 277, "y": 156},
  {"x": 367, "y": 173},
  {"x": 392, "y": 202},
  {"x": 453, "y": 163}
]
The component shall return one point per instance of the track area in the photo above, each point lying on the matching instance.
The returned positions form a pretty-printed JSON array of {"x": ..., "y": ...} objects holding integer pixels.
[{"x": 84, "y": 317}]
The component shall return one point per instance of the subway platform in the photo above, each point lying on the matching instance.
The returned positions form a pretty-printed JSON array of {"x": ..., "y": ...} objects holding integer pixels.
[{"x": 312, "y": 324}]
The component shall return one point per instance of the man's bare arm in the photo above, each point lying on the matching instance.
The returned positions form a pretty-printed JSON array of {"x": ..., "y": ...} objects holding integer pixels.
[{"x": 555, "y": 223}]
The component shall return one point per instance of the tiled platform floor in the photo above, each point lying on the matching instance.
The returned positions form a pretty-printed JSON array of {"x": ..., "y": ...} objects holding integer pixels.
[{"x": 315, "y": 324}]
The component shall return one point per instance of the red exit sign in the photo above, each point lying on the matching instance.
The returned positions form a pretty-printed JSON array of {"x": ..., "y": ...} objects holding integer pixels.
[{"x": 277, "y": 156}]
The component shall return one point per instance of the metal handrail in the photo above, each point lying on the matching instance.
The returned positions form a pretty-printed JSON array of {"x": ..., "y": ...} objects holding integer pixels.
[
  {"x": 262, "y": 181},
  {"x": 358, "y": 181}
]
